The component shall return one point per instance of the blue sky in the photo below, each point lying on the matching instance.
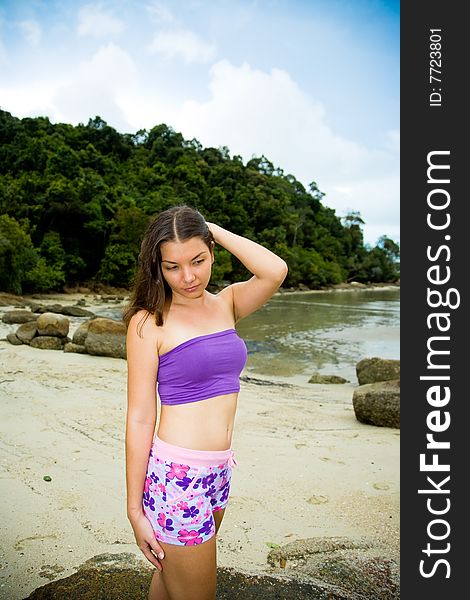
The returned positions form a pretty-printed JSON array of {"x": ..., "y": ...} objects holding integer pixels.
[{"x": 313, "y": 85}]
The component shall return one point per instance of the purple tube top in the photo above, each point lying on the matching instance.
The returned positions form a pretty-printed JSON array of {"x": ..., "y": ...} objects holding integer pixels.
[{"x": 202, "y": 367}]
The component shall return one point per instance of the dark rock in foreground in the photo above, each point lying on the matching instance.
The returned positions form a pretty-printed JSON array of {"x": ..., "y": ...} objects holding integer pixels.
[
  {"x": 358, "y": 570},
  {"x": 378, "y": 403},
  {"x": 371, "y": 370},
  {"x": 106, "y": 337},
  {"x": 124, "y": 577},
  {"x": 47, "y": 342}
]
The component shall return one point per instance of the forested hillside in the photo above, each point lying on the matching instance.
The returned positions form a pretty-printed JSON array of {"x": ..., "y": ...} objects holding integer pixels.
[{"x": 74, "y": 202}]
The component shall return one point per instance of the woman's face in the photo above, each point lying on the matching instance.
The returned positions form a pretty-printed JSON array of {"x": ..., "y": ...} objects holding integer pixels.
[{"x": 186, "y": 266}]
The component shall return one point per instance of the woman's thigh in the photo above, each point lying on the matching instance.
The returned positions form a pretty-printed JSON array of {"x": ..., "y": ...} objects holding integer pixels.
[{"x": 189, "y": 572}]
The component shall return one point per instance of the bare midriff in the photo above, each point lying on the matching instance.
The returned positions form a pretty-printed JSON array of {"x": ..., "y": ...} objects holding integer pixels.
[{"x": 202, "y": 425}]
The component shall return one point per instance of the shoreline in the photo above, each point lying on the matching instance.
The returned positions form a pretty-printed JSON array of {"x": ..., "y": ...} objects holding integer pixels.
[
  {"x": 344, "y": 287},
  {"x": 77, "y": 293}
]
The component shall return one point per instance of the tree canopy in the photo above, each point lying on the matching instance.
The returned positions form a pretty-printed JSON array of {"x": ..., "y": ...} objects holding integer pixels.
[{"x": 75, "y": 201}]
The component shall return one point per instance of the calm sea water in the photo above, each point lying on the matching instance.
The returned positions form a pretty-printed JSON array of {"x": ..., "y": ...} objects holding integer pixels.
[{"x": 300, "y": 333}]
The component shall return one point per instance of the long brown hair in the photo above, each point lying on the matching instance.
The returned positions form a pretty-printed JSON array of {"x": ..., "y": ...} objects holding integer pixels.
[{"x": 150, "y": 290}]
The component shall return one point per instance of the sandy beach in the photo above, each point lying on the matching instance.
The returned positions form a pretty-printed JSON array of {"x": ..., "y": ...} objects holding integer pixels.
[{"x": 306, "y": 469}]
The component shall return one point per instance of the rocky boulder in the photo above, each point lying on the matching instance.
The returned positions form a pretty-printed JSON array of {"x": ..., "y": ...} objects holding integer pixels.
[
  {"x": 378, "y": 403},
  {"x": 13, "y": 339},
  {"x": 371, "y": 370},
  {"x": 18, "y": 316},
  {"x": 343, "y": 567},
  {"x": 77, "y": 348},
  {"x": 47, "y": 342},
  {"x": 106, "y": 337},
  {"x": 53, "y": 324},
  {"x": 126, "y": 577},
  {"x": 27, "y": 331},
  {"x": 77, "y": 311},
  {"x": 80, "y": 334},
  {"x": 69, "y": 311}
]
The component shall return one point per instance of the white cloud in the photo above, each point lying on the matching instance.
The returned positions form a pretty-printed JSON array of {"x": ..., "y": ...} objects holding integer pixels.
[
  {"x": 28, "y": 100},
  {"x": 159, "y": 12},
  {"x": 32, "y": 31},
  {"x": 376, "y": 198},
  {"x": 77, "y": 103},
  {"x": 96, "y": 86},
  {"x": 183, "y": 44},
  {"x": 257, "y": 112},
  {"x": 93, "y": 21},
  {"x": 111, "y": 66}
]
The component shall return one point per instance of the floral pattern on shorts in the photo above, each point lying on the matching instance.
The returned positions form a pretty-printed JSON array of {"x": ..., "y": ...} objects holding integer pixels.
[{"x": 179, "y": 499}]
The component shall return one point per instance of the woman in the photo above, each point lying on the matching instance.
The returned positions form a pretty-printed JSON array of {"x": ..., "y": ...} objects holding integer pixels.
[{"x": 183, "y": 338}]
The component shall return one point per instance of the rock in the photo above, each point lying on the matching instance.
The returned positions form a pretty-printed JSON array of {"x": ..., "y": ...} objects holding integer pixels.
[
  {"x": 27, "y": 331},
  {"x": 76, "y": 311},
  {"x": 80, "y": 333},
  {"x": 78, "y": 348},
  {"x": 34, "y": 306},
  {"x": 106, "y": 337},
  {"x": 53, "y": 324},
  {"x": 7, "y": 299},
  {"x": 13, "y": 339},
  {"x": 125, "y": 577},
  {"x": 358, "y": 570},
  {"x": 46, "y": 342},
  {"x": 371, "y": 370},
  {"x": 18, "y": 316},
  {"x": 317, "y": 378},
  {"x": 69, "y": 311},
  {"x": 378, "y": 403},
  {"x": 50, "y": 308}
]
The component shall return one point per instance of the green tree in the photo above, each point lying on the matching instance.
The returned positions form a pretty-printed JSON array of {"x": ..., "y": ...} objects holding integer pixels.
[
  {"x": 83, "y": 196},
  {"x": 49, "y": 271},
  {"x": 18, "y": 256},
  {"x": 120, "y": 258}
]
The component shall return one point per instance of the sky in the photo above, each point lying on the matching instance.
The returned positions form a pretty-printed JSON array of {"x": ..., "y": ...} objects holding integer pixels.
[{"x": 313, "y": 85}]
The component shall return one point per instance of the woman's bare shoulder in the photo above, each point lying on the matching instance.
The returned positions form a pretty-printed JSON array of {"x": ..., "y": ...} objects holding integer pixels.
[{"x": 142, "y": 324}]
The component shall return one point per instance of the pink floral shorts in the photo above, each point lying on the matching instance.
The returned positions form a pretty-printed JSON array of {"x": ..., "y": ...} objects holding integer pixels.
[{"x": 183, "y": 487}]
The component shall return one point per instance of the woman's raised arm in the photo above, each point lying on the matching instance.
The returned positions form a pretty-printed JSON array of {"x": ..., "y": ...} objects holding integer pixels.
[{"x": 269, "y": 271}]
